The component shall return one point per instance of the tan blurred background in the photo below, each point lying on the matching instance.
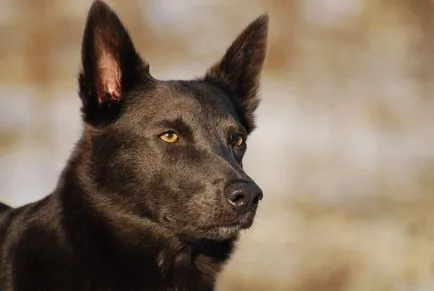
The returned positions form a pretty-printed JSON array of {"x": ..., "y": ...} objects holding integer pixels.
[{"x": 344, "y": 148}]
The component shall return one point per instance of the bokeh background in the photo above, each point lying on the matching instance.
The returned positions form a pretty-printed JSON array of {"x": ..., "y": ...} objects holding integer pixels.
[{"x": 344, "y": 148}]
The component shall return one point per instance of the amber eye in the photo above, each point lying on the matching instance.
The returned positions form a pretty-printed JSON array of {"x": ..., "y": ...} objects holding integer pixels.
[
  {"x": 237, "y": 140},
  {"x": 169, "y": 136}
]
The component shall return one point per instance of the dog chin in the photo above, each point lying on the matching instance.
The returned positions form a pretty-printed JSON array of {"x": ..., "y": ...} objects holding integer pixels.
[
  {"x": 216, "y": 232},
  {"x": 222, "y": 232}
]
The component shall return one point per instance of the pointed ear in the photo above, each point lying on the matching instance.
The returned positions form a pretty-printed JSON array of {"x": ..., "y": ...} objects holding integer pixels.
[
  {"x": 110, "y": 65},
  {"x": 238, "y": 72}
]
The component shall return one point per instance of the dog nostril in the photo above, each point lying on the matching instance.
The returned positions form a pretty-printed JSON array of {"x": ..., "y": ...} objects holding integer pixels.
[
  {"x": 237, "y": 198},
  {"x": 244, "y": 196}
]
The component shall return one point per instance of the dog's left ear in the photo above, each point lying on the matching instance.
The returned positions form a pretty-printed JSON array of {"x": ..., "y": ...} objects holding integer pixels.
[{"x": 239, "y": 70}]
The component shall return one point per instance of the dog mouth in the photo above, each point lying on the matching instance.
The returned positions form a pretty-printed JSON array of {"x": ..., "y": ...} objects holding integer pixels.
[{"x": 217, "y": 231}]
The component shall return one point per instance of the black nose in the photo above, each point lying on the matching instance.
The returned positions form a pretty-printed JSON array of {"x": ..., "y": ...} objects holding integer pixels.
[{"x": 244, "y": 196}]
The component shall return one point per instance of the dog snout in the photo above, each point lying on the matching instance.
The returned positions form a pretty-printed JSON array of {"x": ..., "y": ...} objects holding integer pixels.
[{"x": 244, "y": 196}]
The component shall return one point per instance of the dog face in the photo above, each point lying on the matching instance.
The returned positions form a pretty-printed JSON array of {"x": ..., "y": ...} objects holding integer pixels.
[{"x": 171, "y": 151}]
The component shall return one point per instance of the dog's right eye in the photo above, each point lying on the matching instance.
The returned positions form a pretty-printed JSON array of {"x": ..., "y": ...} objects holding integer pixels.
[{"x": 169, "y": 137}]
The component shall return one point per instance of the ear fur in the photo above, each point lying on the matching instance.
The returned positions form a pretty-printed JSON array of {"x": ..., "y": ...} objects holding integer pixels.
[
  {"x": 238, "y": 72},
  {"x": 110, "y": 65}
]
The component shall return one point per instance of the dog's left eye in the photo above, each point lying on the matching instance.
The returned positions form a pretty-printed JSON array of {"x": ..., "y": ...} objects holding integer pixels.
[
  {"x": 169, "y": 137},
  {"x": 237, "y": 140}
]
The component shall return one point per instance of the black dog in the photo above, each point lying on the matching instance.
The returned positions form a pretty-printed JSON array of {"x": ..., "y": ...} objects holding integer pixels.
[{"x": 154, "y": 194}]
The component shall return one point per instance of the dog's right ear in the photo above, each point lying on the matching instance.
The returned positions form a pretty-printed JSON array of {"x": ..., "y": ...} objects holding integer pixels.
[{"x": 110, "y": 65}]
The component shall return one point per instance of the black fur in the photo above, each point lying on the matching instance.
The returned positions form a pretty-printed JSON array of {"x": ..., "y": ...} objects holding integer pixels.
[
  {"x": 132, "y": 211},
  {"x": 3, "y": 210}
]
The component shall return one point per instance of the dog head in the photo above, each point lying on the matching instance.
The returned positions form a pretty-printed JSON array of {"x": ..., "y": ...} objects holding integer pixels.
[{"x": 171, "y": 151}]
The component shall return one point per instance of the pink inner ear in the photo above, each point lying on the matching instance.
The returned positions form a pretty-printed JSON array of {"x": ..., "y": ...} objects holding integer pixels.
[{"x": 109, "y": 76}]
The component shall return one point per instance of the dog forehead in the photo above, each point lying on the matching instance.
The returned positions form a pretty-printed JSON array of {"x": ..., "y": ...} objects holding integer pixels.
[
  {"x": 188, "y": 98},
  {"x": 200, "y": 95}
]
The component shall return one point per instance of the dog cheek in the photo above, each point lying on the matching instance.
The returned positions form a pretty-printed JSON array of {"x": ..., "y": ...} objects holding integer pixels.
[{"x": 206, "y": 207}]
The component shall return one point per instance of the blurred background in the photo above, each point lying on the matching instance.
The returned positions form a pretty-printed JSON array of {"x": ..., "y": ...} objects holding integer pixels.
[{"x": 344, "y": 148}]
